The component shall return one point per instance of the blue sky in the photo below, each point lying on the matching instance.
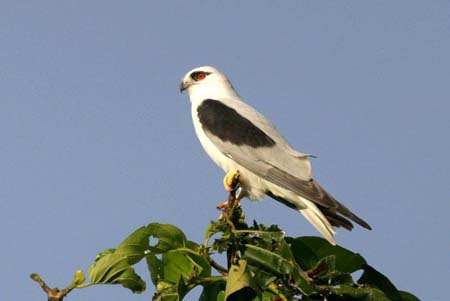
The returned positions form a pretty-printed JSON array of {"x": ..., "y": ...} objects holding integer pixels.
[{"x": 97, "y": 140}]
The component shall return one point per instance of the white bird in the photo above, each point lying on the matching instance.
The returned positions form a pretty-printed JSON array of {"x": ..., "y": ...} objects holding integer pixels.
[{"x": 241, "y": 140}]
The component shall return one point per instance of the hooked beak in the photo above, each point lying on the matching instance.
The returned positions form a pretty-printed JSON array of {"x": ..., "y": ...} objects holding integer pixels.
[{"x": 183, "y": 86}]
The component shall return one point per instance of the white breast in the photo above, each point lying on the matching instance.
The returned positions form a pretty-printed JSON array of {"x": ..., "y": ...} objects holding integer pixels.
[{"x": 220, "y": 159}]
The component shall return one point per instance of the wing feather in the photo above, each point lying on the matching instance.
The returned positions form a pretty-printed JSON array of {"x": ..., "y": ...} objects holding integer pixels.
[
  {"x": 280, "y": 164},
  {"x": 263, "y": 163}
]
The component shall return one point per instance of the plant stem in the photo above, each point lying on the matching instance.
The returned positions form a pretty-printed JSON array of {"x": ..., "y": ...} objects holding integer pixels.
[{"x": 217, "y": 266}]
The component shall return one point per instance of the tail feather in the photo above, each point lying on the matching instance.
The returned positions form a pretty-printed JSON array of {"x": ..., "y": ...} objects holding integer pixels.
[
  {"x": 318, "y": 220},
  {"x": 335, "y": 219},
  {"x": 311, "y": 212}
]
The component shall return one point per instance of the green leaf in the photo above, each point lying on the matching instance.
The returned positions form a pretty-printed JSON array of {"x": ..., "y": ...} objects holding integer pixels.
[
  {"x": 268, "y": 296},
  {"x": 214, "y": 291},
  {"x": 261, "y": 277},
  {"x": 277, "y": 265},
  {"x": 357, "y": 293},
  {"x": 308, "y": 251},
  {"x": 326, "y": 266},
  {"x": 408, "y": 296},
  {"x": 181, "y": 264},
  {"x": 166, "y": 292},
  {"x": 155, "y": 267},
  {"x": 325, "y": 272},
  {"x": 302, "y": 283},
  {"x": 176, "y": 265},
  {"x": 216, "y": 227},
  {"x": 78, "y": 278},
  {"x": 114, "y": 266},
  {"x": 373, "y": 278},
  {"x": 169, "y": 237},
  {"x": 240, "y": 285},
  {"x": 271, "y": 266},
  {"x": 267, "y": 260},
  {"x": 178, "y": 270}
]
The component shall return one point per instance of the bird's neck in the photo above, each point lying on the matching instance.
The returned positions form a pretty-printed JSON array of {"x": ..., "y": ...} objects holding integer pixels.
[{"x": 218, "y": 92}]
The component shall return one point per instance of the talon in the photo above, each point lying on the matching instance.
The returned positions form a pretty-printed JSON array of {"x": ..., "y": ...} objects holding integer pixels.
[{"x": 231, "y": 180}]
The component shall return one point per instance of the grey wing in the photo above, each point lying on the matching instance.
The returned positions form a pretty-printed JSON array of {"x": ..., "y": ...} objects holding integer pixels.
[{"x": 279, "y": 165}]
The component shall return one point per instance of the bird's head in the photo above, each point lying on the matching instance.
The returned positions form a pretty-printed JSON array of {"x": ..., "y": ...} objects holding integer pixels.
[{"x": 206, "y": 81}]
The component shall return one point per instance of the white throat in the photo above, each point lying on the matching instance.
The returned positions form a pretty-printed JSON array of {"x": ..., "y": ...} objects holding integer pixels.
[{"x": 218, "y": 90}]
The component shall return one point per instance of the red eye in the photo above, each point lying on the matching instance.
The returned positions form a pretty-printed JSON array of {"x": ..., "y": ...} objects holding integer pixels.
[{"x": 201, "y": 75}]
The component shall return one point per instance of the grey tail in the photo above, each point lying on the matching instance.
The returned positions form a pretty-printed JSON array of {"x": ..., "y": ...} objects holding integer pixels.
[{"x": 331, "y": 214}]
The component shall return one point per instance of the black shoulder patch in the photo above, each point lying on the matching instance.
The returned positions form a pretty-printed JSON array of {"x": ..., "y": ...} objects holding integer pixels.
[{"x": 227, "y": 124}]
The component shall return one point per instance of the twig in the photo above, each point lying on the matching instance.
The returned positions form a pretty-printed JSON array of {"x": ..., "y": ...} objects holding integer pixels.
[
  {"x": 231, "y": 219},
  {"x": 217, "y": 266},
  {"x": 53, "y": 294}
]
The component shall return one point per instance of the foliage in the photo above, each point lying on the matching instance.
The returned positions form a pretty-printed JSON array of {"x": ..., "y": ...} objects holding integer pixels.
[{"x": 262, "y": 264}]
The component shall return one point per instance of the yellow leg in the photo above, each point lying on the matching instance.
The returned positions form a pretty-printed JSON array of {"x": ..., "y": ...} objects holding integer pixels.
[{"x": 231, "y": 180}]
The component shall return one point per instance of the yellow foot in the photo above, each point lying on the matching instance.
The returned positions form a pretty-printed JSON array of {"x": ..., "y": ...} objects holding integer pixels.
[{"x": 231, "y": 180}]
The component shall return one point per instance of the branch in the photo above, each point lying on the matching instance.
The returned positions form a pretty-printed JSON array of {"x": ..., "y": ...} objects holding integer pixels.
[
  {"x": 53, "y": 294},
  {"x": 217, "y": 266}
]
